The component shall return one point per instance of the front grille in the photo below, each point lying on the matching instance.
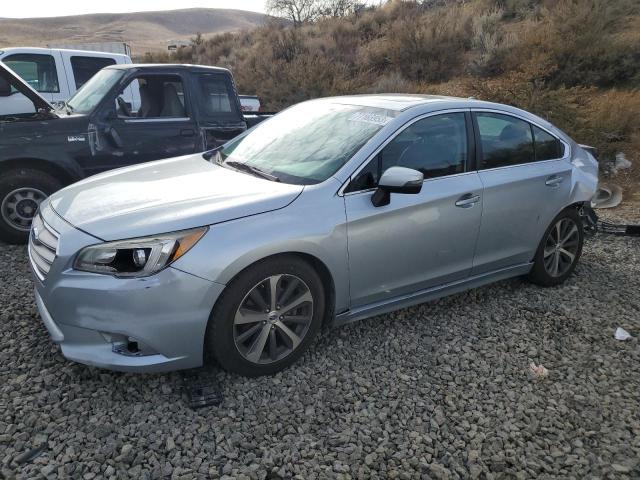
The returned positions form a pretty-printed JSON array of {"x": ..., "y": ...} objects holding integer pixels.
[{"x": 43, "y": 243}]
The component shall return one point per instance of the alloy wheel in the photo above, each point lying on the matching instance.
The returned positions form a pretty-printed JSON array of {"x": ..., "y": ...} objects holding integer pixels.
[
  {"x": 20, "y": 206},
  {"x": 273, "y": 319},
  {"x": 561, "y": 247}
]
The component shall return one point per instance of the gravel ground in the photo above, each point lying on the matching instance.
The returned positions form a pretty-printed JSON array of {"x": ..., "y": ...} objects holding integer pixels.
[{"x": 441, "y": 390}]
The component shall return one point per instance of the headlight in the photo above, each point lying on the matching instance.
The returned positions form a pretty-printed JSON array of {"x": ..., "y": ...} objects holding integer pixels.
[{"x": 138, "y": 257}]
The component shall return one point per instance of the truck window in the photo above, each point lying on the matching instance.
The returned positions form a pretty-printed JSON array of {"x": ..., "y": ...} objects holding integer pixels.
[
  {"x": 37, "y": 70},
  {"x": 161, "y": 96},
  {"x": 218, "y": 97},
  {"x": 86, "y": 67}
]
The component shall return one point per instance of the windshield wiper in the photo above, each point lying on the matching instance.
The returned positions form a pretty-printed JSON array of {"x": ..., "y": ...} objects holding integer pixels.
[{"x": 253, "y": 170}]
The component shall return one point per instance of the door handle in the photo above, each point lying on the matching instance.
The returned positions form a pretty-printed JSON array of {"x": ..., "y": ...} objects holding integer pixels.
[
  {"x": 468, "y": 200},
  {"x": 553, "y": 181},
  {"x": 187, "y": 132}
]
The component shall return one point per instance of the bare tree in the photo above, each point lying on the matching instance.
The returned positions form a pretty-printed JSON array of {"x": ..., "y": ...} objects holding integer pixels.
[
  {"x": 298, "y": 11},
  {"x": 338, "y": 8}
]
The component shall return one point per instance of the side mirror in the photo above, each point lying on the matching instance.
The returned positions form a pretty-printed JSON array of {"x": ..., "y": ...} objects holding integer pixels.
[
  {"x": 5, "y": 88},
  {"x": 396, "y": 180}
]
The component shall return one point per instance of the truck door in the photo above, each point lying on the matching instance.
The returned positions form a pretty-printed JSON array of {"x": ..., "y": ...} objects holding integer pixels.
[
  {"x": 158, "y": 125},
  {"x": 219, "y": 114}
]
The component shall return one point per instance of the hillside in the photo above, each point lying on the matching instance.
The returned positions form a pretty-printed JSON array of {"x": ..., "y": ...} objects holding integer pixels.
[
  {"x": 144, "y": 31},
  {"x": 574, "y": 62}
]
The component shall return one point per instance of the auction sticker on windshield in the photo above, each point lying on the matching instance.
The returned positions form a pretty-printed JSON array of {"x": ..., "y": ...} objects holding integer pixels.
[{"x": 370, "y": 117}]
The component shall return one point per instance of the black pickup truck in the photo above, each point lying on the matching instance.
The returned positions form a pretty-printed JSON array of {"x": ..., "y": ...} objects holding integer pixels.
[{"x": 124, "y": 115}]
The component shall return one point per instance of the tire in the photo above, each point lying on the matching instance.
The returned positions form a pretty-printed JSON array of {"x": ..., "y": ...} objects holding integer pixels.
[
  {"x": 544, "y": 271},
  {"x": 235, "y": 345},
  {"x": 29, "y": 187}
]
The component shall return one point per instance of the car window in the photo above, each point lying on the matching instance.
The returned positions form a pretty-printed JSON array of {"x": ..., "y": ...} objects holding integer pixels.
[
  {"x": 436, "y": 146},
  {"x": 547, "y": 147},
  {"x": 218, "y": 97},
  {"x": 161, "y": 96},
  {"x": 86, "y": 67},
  {"x": 505, "y": 140},
  {"x": 38, "y": 70}
]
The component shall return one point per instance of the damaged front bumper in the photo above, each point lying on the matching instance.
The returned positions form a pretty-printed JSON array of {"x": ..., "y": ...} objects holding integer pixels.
[{"x": 150, "y": 324}]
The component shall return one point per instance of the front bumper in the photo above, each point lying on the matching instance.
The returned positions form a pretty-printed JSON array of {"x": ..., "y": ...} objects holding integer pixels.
[{"x": 91, "y": 315}]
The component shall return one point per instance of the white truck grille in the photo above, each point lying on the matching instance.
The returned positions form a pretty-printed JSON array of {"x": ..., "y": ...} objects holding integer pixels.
[{"x": 43, "y": 244}]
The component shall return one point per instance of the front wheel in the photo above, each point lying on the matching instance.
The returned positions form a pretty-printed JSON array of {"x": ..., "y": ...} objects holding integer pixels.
[
  {"x": 559, "y": 250},
  {"x": 21, "y": 192},
  {"x": 266, "y": 317}
]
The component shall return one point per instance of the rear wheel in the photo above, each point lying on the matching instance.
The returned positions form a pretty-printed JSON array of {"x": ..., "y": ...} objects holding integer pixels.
[
  {"x": 559, "y": 250},
  {"x": 266, "y": 317},
  {"x": 21, "y": 192}
]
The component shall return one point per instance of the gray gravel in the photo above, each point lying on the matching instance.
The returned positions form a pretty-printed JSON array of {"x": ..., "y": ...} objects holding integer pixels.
[{"x": 441, "y": 390}]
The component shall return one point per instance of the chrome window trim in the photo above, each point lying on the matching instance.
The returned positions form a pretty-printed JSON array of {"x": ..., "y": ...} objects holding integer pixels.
[
  {"x": 155, "y": 120},
  {"x": 567, "y": 147},
  {"x": 444, "y": 177},
  {"x": 341, "y": 190}
]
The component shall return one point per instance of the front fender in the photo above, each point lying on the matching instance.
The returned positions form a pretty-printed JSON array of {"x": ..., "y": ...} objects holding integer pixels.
[{"x": 308, "y": 226}]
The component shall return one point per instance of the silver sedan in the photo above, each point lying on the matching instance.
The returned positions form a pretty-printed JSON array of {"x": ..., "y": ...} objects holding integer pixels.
[{"x": 334, "y": 210}]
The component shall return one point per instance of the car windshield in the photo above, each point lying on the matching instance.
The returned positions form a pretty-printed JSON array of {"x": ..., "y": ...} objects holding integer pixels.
[
  {"x": 307, "y": 143},
  {"x": 90, "y": 94}
]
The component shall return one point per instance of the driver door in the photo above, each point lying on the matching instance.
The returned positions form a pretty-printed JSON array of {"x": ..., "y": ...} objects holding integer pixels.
[
  {"x": 419, "y": 240},
  {"x": 155, "y": 123}
]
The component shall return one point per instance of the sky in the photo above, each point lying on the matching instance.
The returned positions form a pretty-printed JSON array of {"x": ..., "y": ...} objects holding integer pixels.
[{"x": 49, "y": 8}]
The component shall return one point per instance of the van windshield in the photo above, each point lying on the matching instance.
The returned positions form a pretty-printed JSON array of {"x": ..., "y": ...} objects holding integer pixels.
[
  {"x": 307, "y": 143},
  {"x": 92, "y": 92}
]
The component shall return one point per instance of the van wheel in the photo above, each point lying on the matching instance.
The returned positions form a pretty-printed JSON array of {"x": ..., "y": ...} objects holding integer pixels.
[
  {"x": 559, "y": 250},
  {"x": 267, "y": 317},
  {"x": 21, "y": 192}
]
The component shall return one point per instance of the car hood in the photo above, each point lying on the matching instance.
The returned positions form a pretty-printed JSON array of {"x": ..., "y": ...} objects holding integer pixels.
[{"x": 166, "y": 196}]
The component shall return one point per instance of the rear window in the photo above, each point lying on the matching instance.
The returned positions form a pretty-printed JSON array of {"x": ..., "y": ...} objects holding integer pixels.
[
  {"x": 86, "y": 67},
  {"x": 218, "y": 97},
  {"x": 547, "y": 146}
]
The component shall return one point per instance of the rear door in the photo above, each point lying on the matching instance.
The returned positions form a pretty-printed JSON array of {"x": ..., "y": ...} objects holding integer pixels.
[
  {"x": 525, "y": 172},
  {"x": 419, "y": 240},
  {"x": 219, "y": 113},
  {"x": 81, "y": 67}
]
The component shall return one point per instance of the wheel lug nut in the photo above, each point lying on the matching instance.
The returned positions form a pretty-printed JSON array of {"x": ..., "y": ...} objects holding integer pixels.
[
  {"x": 277, "y": 307},
  {"x": 281, "y": 317}
]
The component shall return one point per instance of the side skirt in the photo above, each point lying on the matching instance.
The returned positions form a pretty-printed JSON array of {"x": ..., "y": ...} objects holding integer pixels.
[{"x": 429, "y": 294}]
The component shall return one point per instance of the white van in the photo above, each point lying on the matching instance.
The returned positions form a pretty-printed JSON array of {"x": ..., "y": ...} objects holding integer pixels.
[{"x": 54, "y": 73}]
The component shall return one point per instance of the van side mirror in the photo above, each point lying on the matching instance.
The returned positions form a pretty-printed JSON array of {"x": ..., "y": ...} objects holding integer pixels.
[
  {"x": 5, "y": 88},
  {"x": 397, "y": 180}
]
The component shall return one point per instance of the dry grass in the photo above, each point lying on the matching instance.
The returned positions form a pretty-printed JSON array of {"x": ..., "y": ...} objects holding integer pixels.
[{"x": 575, "y": 62}]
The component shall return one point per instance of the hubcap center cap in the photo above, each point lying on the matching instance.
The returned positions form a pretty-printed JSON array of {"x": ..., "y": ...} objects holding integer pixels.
[
  {"x": 273, "y": 317},
  {"x": 26, "y": 208}
]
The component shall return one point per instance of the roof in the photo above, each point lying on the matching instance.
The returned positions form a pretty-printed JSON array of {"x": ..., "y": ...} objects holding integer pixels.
[
  {"x": 169, "y": 66},
  {"x": 44, "y": 50},
  {"x": 401, "y": 102}
]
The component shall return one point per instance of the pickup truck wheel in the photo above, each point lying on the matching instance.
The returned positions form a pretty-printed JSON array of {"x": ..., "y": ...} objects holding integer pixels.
[
  {"x": 21, "y": 192},
  {"x": 266, "y": 317}
]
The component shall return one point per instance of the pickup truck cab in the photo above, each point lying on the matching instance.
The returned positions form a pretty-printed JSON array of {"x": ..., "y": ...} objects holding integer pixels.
[
  {"x": 54, "y": 73},
  {"x": 124, "y": 115}
]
